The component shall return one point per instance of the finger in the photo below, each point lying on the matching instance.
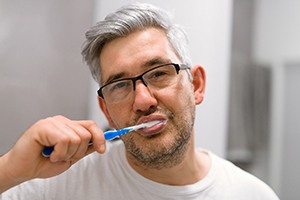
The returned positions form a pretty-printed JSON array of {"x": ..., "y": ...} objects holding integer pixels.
[
  {"x": 52, "y": 132},
  {"x": 66, "y": 149},
  {"x": 97, "y": 136},
  {"x": 66, "y": 141},
  {"x": 84, "y": 137}
]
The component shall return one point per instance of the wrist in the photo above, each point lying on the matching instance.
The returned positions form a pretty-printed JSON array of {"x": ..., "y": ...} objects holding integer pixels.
[{"x": 7, "y": 177}]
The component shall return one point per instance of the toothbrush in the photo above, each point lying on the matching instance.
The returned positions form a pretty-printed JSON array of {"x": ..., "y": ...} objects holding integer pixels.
[{"x": 110, "y": 135}]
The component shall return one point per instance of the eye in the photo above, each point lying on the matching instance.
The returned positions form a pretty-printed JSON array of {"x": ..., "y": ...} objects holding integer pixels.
[
  {"x": 159, "y": 73},
  {"x": 119, "y": 86}
]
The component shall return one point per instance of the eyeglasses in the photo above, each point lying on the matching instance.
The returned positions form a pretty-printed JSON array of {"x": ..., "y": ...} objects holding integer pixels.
[{"x": 158, "y": 77}]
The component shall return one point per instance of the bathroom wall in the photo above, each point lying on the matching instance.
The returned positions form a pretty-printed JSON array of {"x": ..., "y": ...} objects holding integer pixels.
[
  {"x": 276, "y": 43},
  {"x": 41, "y": 69}
]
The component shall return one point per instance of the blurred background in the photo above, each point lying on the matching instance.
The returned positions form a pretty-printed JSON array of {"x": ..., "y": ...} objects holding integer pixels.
[{"x": 249, "y": 48}]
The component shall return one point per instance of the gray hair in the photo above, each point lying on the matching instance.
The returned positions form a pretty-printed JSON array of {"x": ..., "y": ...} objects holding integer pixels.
[{"x": 126, "y": 20}]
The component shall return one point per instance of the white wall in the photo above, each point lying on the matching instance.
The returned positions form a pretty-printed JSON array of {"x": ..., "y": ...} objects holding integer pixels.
[
  {"x": 41, "y": 69},
  {"x": 276, "y": 37},
  {"x": 208, "y": 24}
]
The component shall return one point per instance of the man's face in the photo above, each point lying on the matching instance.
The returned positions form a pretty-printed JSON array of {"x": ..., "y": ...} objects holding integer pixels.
[{"x": 164, "y": 144}]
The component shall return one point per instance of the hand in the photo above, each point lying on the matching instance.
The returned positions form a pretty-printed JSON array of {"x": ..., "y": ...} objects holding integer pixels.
[{"x": 70, "y": 140}]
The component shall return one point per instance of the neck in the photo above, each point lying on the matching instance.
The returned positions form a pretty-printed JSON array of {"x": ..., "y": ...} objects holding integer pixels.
[{"x": 193, "y": 167}]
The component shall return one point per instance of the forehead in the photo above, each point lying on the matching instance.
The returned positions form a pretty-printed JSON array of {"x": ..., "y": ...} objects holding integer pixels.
[{"x": 133, "y": 54}]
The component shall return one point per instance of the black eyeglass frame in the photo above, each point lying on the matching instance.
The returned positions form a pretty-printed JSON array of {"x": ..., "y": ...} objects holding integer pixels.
[{"x": 178, "y": 67}]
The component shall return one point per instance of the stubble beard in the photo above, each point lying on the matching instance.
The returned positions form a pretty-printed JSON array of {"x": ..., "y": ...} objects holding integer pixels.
[{"x": 162, "y": 156}]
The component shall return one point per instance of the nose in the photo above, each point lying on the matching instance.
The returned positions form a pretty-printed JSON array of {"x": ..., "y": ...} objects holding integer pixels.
[{"x": 143, "y": 98}]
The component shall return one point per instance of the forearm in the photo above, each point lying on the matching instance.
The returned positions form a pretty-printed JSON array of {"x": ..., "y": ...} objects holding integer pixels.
[{"x": 7, "y": 180}]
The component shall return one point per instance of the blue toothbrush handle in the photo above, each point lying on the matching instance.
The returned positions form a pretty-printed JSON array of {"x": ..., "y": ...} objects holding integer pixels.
[
  {"x": 48, "y": 150},
  {"x": 108, "y": 135}
]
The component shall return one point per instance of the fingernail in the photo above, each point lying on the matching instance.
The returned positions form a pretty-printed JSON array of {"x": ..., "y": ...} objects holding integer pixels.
[{"x": 102, "y": 148}]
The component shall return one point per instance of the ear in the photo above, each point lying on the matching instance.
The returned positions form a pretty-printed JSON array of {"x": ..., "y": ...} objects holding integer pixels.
[
  {"x": 102, "y": 105},
  {"x": 199, "y": 81}
]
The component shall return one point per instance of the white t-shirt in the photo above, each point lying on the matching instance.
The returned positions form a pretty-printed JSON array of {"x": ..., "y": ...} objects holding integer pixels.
[{"x": 109, "y": 176}]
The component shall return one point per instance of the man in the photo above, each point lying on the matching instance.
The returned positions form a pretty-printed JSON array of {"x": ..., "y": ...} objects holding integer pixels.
[{"x": 140, "y": 61}]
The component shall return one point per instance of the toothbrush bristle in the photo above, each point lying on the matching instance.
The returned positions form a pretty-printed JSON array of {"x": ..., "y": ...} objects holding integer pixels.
[{"x": 152, "y": 123}]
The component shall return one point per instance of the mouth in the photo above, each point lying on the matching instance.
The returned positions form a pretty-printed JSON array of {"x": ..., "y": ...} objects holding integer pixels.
[{"x": 154, "y": 129}]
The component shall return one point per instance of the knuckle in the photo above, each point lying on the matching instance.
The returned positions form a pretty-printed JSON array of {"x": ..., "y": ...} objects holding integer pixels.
[
  {"x": 43, "y": 125},
  {"x": 86, "y": 135},
  {"x": 58, "y": 117},
  {"x": 64, "y": 139},
  {"x": 76, "y": 140},
  {"x": 42, "y": 122},
  {"x": 45, "y": 122},
  {"x": 68, "y": 139},
  {"x": 91, "y": 123},
  {"x": 83, "y": 133}
]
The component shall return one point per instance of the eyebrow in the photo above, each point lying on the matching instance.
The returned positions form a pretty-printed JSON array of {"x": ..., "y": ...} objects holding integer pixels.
[
  {"x": 156, "y": 61},
  {"x": 150, "y": 63},
  {"x": 114, "y": 77}
]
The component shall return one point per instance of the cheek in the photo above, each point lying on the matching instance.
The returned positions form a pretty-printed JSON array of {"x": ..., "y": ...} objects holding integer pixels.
[
  {"x": 185, "y": 104},
  {"x": 118, "y": 114},
  {"x": 178, "y": 96}
]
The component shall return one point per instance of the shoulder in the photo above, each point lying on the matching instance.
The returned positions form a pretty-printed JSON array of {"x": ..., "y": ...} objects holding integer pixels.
[{"x": 238, "y": 181}]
